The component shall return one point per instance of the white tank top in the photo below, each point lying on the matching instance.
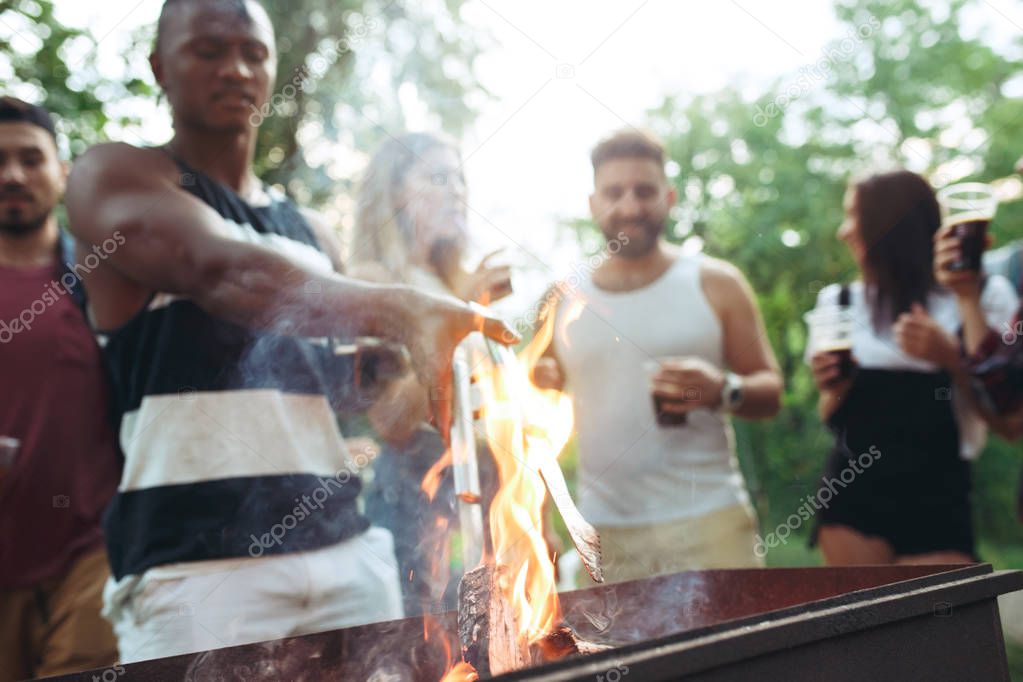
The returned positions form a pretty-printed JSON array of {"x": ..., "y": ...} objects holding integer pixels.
[{"x": 632, "y": 471}]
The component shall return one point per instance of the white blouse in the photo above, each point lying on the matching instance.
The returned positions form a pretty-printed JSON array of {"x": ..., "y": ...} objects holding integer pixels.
[{"x": 881, "y": 351}]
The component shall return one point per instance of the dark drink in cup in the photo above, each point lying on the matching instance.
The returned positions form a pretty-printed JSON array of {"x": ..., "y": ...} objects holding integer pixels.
[
  {"x": 846, "y": 364},
  {"x": 666, "y": 418},
  {"x": 968, "y": 208},
  {"x": 663, "y": 404},
  {"x": 972, "y": 234}
]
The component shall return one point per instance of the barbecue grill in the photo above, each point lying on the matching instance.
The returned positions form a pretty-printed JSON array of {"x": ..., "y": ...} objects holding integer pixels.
[{"x": 879, "y": 623}]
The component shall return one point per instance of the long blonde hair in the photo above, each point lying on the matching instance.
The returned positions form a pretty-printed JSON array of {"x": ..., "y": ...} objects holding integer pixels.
[{"x": 383, "y": 234}]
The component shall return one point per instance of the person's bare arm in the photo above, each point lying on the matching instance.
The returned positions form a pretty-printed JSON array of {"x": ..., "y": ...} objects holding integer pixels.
[
  {"x": 171, "y": 242},
  {"x": 327, "y": 237},
  {"x": 827, "y": 375},
  {"x": 964, "y": 284},
  {"x": 747, "y": 349}
]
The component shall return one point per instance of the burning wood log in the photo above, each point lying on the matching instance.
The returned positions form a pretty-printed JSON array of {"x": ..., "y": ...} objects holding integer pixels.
[
  {"x": 486, "y": 624},
  {"x": 563, "y": 641},
  {"x": 488, "y": 632}
]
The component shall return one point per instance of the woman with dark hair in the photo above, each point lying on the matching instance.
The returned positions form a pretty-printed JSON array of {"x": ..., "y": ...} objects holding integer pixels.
[{"x": 904, "y": 427}]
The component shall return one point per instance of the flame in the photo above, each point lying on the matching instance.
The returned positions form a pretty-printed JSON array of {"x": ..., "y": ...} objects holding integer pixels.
[
  {"x": 574, "y": 312},
  {"x": 462, "y": 672},
  {"x": 432, "y": 479},
  {"x": 459, "y": 672},
  {"x": 524, "y": 426}
]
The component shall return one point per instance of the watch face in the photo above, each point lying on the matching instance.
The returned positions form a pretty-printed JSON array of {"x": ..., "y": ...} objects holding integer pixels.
[{"x": 733, "y": 392}]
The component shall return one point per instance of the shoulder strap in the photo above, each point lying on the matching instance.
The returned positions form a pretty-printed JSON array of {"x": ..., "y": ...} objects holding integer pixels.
[
  {"x": 66, "y": 253},
  {"x": 845, "y": 296}
]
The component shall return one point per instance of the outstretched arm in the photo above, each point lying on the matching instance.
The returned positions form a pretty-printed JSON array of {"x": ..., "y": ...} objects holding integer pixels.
[{"x": 172, "y": 242}]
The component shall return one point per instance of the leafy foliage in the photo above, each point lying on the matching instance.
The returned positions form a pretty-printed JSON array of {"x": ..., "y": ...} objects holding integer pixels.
[
  {"x": 763, "y": 189},
  {"x": 54, "y": 65}
]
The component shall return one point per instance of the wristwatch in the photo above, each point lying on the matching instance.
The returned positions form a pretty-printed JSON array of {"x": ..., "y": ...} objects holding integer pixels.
[{"x": 731, "y": 393}]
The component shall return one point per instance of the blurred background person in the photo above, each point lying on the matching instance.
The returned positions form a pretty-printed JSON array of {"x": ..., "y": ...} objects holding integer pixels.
[
  {"x": 993, "y": 356},
  {"x": 904, "y": 399},
  {"x": 1007, "y": 260},
  {"x": 60, "y": 464},
  {"x": 411, "y": 228},
  {"x": 661, "y": 484}
]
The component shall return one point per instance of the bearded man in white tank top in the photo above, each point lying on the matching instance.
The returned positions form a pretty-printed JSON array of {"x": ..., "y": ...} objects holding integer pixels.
[{"x": 652, "y": 321}]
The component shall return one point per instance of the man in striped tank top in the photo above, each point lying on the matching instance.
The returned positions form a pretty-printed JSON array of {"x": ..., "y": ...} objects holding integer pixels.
[
  {"x": 235, "y": 520},
  {"x": 659, "y": 479}
]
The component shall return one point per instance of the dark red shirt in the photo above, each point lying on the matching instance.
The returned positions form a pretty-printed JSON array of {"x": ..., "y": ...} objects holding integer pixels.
[
  {"x": 997, "y": 367},
  {"x": 53, "y": 398}
]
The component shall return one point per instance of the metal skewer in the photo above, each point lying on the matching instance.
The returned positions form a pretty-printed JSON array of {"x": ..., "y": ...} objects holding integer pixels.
[{"x": 464, "y": 463}]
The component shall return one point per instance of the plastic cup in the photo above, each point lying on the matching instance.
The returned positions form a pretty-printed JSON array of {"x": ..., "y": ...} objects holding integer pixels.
[
  {"x": 831, "y": 331},
  {"x": 664, "y": 418},
  {"x": 969, "y": 208}
]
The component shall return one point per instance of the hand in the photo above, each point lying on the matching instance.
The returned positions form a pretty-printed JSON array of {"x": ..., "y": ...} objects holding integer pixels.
[
  {"x": 827, "y": 373},
  {"x": 431, "y": 328},
  {"x": 547, "y": 375},
  {"x": 920, "y": 336},
  {"x": 962, "y": 283},
  {"x": 687, "y": 384},
  {"x": 486, "y": 284}
]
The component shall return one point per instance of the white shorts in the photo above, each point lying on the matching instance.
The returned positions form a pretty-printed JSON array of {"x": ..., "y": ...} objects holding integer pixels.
[
  {"x": 721, "y": 539},
  {"x": 195, "y": 606}
]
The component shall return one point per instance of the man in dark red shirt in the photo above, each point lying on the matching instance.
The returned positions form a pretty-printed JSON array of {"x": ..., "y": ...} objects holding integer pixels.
[{"x": 59, "y": 464}]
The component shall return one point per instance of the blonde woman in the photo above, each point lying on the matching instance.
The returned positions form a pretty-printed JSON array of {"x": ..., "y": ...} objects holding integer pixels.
[{"x": 411, "y": 228}]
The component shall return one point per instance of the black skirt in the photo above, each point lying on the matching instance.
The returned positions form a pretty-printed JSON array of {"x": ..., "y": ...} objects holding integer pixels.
[{"x": 895, "y": 470}]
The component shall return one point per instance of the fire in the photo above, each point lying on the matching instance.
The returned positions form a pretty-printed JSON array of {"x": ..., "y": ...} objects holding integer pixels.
[
  {"x": 524, "y": 425},
  {"x": 462, "y": 672},
  {"x": 432, "y": 479},
  {"x": 575, "y": 311}
]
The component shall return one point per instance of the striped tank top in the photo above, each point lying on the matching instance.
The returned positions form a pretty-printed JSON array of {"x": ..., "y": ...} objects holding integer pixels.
[{"x": 231, "y": 445}]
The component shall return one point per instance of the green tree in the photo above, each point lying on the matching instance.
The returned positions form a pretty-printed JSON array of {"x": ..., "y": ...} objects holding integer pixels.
[
  {"x": 761, "y": 184},
  {"x": 346, "y": 72},
  {"x": 54, "y": 65},
  {"x": 342, "y": 68}
]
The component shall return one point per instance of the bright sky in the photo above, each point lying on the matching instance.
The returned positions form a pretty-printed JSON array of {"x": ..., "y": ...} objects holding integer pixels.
[{"x": 566, "y": 72}]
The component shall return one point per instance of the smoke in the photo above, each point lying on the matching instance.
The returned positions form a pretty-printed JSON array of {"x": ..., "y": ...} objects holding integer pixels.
[{"x": 623, "y": 613}]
